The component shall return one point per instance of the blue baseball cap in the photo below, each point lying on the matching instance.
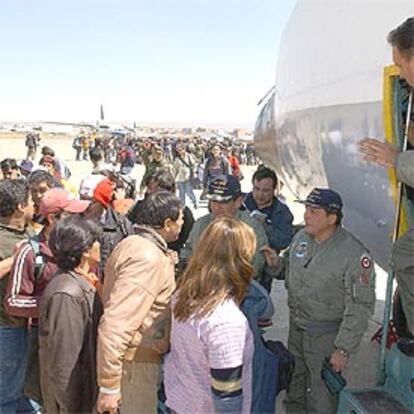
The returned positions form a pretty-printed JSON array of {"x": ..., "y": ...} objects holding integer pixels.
[
  {"x": 26, "y": 165},
  {"x": 323, "y": 198},
  {"x": 223, "y": 189}
]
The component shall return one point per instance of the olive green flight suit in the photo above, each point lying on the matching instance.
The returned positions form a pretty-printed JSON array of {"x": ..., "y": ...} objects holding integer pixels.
[
  {"x": 331, "y": 296},
  {"x": 403, "y": 262}
]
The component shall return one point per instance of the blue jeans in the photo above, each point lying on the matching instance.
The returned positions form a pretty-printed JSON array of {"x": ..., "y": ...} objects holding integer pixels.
[
  {"x": 185, "y": 187},
  {"x": 32, "y": 388},
  {"x": 13, "y": 361}
]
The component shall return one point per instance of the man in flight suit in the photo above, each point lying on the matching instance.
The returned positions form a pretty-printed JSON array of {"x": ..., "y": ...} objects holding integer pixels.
[
  {"x": 331, "y": 296},
  {"x": 387, "y": 155}
]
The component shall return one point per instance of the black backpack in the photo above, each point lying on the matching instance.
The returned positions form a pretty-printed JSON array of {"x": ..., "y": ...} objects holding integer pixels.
[
  {"x": 39, "y": 259},
  {"x": 110, "y": 237},
  {"x": 286, "y": 363}
]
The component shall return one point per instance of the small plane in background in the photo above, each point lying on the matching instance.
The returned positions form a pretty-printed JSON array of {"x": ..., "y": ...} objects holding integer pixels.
[
  {"x": 100, "y": 126},
  {"x": 334, "y": 87}
]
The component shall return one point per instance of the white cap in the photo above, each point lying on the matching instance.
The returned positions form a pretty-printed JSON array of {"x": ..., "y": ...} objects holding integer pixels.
[{"x": 89, "y": 184}]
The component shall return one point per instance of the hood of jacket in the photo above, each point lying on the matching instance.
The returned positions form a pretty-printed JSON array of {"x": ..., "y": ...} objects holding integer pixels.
[{"x": 152, "y": 235}]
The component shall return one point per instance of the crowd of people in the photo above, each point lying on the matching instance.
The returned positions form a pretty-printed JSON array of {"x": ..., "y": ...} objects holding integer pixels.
[
  {"x": 107, "y": 295},
  {"x": 78, "y": 248},
  {"x": 112, "y": 301},
  {"x": 127, "y": 148}
]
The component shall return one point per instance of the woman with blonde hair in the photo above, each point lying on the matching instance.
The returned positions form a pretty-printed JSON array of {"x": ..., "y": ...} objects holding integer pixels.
[{"x": 209, "y": 368}]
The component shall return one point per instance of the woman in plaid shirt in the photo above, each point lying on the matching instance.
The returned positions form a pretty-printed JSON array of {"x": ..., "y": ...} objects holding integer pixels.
[{"x": 209, "y": 368}]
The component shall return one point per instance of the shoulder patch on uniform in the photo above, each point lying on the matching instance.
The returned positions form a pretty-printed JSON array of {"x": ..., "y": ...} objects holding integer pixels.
[
  {"x": 365, "y": 261},
  {"x": 301, "y": 249},
  {"x": 366, "y": 265}
]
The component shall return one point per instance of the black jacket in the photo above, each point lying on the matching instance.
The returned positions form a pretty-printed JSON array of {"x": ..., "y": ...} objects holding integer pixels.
[
  {"x": 115, "y": 228},
  {"x": 185, "y": 231}
]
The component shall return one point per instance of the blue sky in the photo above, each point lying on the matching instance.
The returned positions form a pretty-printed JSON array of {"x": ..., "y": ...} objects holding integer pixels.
[{"x": 158, "y": 61}]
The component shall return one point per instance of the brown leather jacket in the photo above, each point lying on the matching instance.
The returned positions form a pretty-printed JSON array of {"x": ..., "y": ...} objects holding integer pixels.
[
  {"x": 139, "y": 282},
  {"x": 68, "y": 323}
]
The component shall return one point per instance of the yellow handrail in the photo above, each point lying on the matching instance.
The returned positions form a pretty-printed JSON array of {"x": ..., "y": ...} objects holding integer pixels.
[{"x": 391, "y": 73}]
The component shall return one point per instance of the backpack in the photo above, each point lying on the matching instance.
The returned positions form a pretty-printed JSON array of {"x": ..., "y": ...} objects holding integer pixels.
[
  {"x": 39, "y": 259},
  {"x": 286, "y": 363},
  {"x": 110, "y": 238}
]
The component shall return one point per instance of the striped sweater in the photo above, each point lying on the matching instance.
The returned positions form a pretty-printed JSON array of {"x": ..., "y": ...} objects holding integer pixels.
[
  {"x": 23, "y": 292},
  {"x": 209, "y": 368}
]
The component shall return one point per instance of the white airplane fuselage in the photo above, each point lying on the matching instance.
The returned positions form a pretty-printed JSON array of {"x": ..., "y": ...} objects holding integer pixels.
[{"x": 328, "y": 96}]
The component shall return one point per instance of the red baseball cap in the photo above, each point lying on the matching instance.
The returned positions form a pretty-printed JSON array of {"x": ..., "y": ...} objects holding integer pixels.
[
  {"x": 103, "y": 192},
  {"x": 57, "y": 200}
]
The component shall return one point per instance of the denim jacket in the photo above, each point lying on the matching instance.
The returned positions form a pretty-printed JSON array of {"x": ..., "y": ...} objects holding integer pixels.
[
  {"x": 278, "y": 225},
  {"x": 256, "y": 306}
]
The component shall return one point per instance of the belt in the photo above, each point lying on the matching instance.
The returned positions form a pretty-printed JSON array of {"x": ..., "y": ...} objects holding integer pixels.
[{"x": 320, "y": 327}]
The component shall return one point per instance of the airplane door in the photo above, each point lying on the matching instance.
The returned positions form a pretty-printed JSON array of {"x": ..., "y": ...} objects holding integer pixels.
[{"x": 395, "y": 106}]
